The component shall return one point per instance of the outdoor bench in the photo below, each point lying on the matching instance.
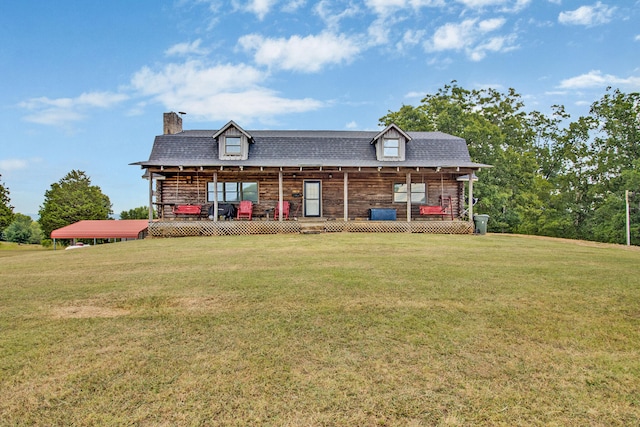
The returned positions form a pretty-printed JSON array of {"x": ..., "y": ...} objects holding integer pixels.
[
  {"x": 188, "y": 210},
  {"x": 434, "y": 210}
]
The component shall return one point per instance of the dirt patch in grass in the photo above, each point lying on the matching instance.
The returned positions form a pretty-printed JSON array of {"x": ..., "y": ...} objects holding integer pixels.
[{"x": 87, "y": 311}]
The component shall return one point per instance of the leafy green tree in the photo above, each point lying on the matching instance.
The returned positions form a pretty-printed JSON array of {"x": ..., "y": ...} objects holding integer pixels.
[
  {"x": 616, "y": 142},
  {"x": 23, "y": 230},
  {"x": 141, "y": 212},
  {"x": 72, "y": 199},
  {"x": 551, "y": 176},
  {"x": 6, "y": 210},
  {"x": 498, "y": 132}
]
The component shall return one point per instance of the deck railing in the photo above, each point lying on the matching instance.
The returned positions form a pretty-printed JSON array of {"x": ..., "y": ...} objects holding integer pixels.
[{"x": 177, "y": 228}]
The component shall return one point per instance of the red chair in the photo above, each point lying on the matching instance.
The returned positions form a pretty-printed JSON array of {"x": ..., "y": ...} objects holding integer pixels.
[
  {"x": 245, "y": 209},
  {"x": 286, "y": 207}
]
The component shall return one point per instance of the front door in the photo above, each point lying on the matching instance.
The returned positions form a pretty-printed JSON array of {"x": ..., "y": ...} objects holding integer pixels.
[{"x": 312, "y": 199}]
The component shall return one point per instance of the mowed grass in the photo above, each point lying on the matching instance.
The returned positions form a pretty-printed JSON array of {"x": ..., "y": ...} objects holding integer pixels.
[{"x": 322, "y": 330}]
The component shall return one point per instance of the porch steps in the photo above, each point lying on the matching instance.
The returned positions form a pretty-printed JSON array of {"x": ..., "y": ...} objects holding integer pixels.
[{"x": 314, "y": 226}]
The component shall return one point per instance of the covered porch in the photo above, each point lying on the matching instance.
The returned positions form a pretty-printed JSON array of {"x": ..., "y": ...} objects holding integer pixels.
[{"x": 326, "y": 195}]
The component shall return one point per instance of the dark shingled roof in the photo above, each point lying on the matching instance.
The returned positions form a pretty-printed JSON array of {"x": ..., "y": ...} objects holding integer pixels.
[{"x": 309, "y": 148}]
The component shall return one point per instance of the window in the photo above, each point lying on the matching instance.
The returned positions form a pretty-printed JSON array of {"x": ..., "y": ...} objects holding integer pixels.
[
  {"x": 391, "y": 147},
  {"x": 232, "y": 146},
  {"x": 418, "y": 192},
  {"x": 233, "y": 192}
]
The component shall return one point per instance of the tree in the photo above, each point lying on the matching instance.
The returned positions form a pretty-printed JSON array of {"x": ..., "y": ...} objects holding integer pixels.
[
  {"x": 548, "y": 180},
  {"x": 615, "y": 155},
  {"x": 23, "y": 230},
  {"x": 499, "y": 133},
  {"x": 6, "y": 210},
  {"x": 73, "y": 199},
  {"x": 141, "y": 212}
]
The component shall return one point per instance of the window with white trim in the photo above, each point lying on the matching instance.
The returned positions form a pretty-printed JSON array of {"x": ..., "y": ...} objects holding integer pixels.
[
  {"x": 232, "y": 145},
  {"x": 233, "y": 192},
  {"x": 418, "y": 192},
  {"x": 391, "y": 147}
]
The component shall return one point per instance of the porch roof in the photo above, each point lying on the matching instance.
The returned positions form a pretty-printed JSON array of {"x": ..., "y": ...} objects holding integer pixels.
[{"x": 292, "y": 148}]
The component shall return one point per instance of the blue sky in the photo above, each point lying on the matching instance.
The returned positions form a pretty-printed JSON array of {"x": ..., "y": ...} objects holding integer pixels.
[{"x": 84, "y": 83}]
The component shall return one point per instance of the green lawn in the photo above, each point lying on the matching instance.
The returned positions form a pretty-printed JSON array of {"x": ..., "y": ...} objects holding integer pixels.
[{"x": 322, "y": 330}]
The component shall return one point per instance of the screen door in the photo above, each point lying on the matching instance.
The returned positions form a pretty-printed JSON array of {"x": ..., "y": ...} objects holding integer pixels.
[{"x": 312, "y": 199}]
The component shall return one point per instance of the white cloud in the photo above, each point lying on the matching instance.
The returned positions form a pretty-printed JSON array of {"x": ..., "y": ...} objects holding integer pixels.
[
  {"x": 293, "y": 5},
  {"x": 587, "y": 15},
  {"x": 184, "y": 49},
  {"x": 218, "y": 92},
  {"x": 306, "y": 54},
  {"x": 410, "y": 39},
  {"x": 325, "y": 10},
  {"x": 259, "y": 7},
  {"x": 386, "y": 7},
  {"x": 476, "y": 4},
  {"x": 469, "y": 36},
  {"x": 352, "y": 125},
  {"x": 494, "y": 44},
  {"x": 13, "y": 164},
  {"x": 61, "y": 111},
  {"x": 414, "y": 95},
  {"x": 637, "y": 38},
  {"x": 595, "y": 78},
  {"x": 489, "y": 25},
  {"x": 453, "y": 36},
  {"x": 501, "y": 5}
]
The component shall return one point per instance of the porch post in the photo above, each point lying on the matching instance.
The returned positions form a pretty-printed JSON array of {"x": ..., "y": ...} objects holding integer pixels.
[
  {"x": 471, "y": 197},
  {"x": 346, "y": 196},
  {"x": 280, "y": 204},
  {"x": 408, "y": 196},
  {"x": 150, "y": 195},
  {"x": 215, "y": 197}
]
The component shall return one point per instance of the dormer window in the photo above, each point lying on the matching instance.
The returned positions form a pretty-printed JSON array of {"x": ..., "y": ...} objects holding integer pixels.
[
  {"x": 391, "y": 147},
  {"x": 391, "y": 144},
  {"x": 233, "y": 142},
  {"x": 233, "y": 146}
]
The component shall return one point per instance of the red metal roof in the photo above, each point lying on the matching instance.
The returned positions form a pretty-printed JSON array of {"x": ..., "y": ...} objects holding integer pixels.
[{"x": 102, "y": 229}]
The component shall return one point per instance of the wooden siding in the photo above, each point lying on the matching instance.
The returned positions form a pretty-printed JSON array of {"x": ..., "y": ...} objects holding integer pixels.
[{"x": 366, "y": 190}]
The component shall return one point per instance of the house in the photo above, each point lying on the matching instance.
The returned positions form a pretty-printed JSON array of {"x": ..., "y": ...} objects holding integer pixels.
[{"x": 340, "y": 176}]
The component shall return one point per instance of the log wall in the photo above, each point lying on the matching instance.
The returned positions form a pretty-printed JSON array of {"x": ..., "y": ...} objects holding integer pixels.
[{"x": 366, "y": 190}]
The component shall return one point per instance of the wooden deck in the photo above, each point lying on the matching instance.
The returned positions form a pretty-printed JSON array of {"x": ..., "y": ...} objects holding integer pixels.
[{"x": 177, "y": 228}]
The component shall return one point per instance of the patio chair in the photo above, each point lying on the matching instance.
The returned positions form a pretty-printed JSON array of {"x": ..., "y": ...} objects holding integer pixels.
[
  {"x": 286, "y": 207},
  {"x": 245, "y": 209}
]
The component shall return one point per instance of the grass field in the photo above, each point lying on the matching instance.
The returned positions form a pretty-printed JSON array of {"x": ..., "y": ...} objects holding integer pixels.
[{"x": 322, "y": 330}]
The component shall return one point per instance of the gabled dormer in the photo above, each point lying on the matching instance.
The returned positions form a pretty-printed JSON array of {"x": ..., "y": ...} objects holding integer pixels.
[
  {"x": 233, "y": 142},
  {"x": 391, "y": 144}
]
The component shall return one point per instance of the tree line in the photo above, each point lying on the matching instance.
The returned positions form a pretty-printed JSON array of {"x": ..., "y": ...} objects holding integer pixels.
[
  {"x": 551, "y": 175},
  {"x": 69, "y": 200}
]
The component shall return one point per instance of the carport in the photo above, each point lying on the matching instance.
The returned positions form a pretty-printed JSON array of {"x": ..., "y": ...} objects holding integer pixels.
[{"x": 124, "y": 229}]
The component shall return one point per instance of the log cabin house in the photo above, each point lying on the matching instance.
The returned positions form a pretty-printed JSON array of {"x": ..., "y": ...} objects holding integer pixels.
[{"x": 343, "y": 180}]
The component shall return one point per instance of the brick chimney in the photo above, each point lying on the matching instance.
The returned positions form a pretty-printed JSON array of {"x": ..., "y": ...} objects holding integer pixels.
[{"x": 172, "y": 123}]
